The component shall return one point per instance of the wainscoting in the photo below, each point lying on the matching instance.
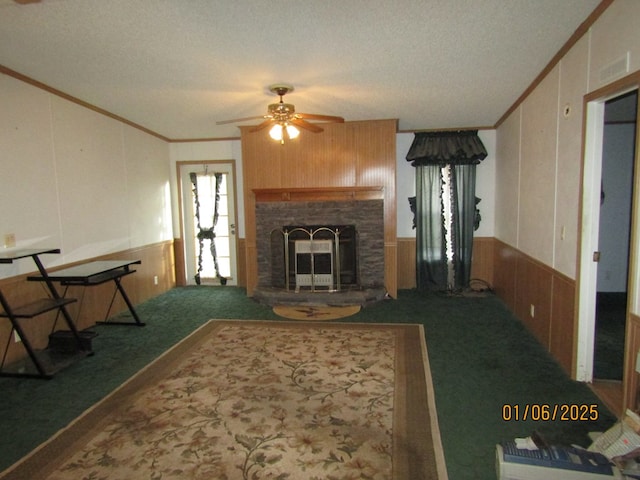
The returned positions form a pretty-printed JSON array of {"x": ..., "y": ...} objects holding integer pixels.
[
  {"x": 522, "y": 283},
  {"x": 481, "y": 268},
  {"x": 632, "y": 345},
  {"x": 93, "y": 302},
  {"x": 542, "y": 298}
]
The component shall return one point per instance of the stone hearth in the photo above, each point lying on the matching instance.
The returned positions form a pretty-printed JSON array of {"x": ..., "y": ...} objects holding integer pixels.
[{"x": 348, "y": 296}]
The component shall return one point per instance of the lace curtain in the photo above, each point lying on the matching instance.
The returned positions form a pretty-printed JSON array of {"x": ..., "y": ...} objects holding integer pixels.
[{"x": 206, "y": 233}]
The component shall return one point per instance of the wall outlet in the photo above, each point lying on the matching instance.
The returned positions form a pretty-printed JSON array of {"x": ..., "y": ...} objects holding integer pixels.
[
  {"x": 155, "y": 279},
  {"x": 532, "y": 310},
  {"x": 9, "y": 240}
]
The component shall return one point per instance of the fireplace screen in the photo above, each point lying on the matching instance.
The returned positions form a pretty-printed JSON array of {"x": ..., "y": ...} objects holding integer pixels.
[
  {"x": 316, "y": 257},
  {"x": 314, "y": 263}
]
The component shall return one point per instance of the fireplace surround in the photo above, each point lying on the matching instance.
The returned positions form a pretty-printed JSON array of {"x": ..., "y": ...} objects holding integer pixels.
[{"x": 360, "y": 223}]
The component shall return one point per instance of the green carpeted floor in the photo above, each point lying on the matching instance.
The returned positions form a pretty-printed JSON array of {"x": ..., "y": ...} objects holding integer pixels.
[
  {"x": 611, "y": 319},
  {"x": 481, "y": 359}
]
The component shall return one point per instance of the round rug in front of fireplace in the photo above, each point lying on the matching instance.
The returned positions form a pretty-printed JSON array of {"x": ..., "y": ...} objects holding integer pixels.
[{"x": 315, "y": 312}]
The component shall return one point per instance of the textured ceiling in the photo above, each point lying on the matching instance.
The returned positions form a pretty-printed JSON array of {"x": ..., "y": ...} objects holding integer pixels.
[{"x": 178, "y": 66}]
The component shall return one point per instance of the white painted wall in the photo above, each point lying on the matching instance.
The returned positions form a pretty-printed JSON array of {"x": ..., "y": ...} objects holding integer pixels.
[
  {"x": 77, "y": 180},
  {"x": 538, "y": 150},
  {"x": 485, "y": 185}
]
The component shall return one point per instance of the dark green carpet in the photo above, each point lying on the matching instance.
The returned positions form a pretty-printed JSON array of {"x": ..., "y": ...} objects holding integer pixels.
[
  {"x": 611, "y": 318},
  {"x": 481, "y": 359}
]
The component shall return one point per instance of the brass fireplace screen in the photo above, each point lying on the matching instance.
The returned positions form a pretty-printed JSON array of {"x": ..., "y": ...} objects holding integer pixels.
[{"x": 317, "y": 257}]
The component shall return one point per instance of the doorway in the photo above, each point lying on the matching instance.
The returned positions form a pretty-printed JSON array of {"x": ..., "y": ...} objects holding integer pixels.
[
  {"x": 589, "y": 265},
  {"x": 209, "y": 222},
  {"x": 616, "y": 200}
]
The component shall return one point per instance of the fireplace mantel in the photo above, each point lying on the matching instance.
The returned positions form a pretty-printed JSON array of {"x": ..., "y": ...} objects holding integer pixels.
[
  {"x": 317, "y": 194},
  {"x": 348, "y": 162}
]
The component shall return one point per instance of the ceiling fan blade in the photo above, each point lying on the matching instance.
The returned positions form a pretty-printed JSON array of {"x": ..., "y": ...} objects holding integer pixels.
[
  {"x": 322, "y": 118},
  {"x": 224, "y": 122},
  {"x": 298, "y": 122},
  {"x": 264, "y": 124}
]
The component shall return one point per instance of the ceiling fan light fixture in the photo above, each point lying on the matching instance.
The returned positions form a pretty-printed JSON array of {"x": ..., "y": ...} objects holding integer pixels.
[
  {"x": 283, "y": 119},
  {"x": 292, "y": 131},
  {"x": 278, "y": 131}
]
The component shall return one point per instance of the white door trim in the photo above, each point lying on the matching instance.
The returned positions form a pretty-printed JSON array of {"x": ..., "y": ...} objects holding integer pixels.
[
  {"x": 589, "y": 221},
  {"x": 589, "y": 225}
]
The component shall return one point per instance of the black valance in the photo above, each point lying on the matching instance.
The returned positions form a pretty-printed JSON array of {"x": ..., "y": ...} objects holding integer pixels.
[{"x": 462, "y": 147}]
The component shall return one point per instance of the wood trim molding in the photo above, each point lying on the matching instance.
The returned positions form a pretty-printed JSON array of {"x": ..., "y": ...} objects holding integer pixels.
[
  {"x": 618, "y": 87},
  {"x": 12, "y": 73},
  {"x": 632, "y": 345},
  {"x": 318, "y": 194},
  {"x": 577, "y": 35}
]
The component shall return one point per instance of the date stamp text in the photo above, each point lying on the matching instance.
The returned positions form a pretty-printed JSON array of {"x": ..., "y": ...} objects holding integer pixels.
[{"x": 545, "y": 412}]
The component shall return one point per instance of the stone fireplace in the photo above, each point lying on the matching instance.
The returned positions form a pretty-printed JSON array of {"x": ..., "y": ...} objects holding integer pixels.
[{"x": 344, "y": 238}]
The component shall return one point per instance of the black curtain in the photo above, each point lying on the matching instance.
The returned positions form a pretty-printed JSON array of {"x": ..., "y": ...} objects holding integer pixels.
[
  {"x": 462, "y": 147},
  {"x": 431, "y": 265},
  {"x": 445, "y": 162}
]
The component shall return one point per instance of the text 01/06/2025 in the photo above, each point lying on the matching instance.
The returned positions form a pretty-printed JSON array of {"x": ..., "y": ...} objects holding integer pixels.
[{"x": 544, "y": 412}]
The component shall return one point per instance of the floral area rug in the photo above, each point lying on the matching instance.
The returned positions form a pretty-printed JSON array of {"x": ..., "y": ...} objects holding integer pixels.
[
  {"x": 262, "y": 400},
  {"x": 315, "y": 312}
]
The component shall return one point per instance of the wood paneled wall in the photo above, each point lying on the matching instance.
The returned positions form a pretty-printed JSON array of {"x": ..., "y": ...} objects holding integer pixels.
[
  {"x": 542, "y": 298},
  {"x": 632, "y": 347},
  {"x": 93, "y": 302},
  {"x": 481, "y": 267},
  {"x": 351, "y": 154},
  {"x": 406, "y": 263},
  {"x": 482, "y": 261}
]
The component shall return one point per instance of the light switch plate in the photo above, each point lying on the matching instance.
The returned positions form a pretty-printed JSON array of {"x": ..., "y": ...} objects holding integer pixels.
[{"x": 9, "y": 240}]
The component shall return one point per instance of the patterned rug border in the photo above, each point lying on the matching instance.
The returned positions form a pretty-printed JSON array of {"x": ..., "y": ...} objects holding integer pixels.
[
  {"x": 408, "y": 463},
  {"x": 433, "y": 413}
]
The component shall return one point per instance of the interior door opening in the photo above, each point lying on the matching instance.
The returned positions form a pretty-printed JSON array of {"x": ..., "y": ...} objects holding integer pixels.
[
  {"x": 592, "y": 210},
  {"x": 616, "y": 200}
]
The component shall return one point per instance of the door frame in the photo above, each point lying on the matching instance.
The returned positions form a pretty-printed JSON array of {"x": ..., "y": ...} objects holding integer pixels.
[
  {"x": 588, "y": 226},
  {"x": 181, "y": 270}
]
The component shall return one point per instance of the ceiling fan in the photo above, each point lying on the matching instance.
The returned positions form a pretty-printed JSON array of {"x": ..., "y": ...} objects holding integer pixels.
[{"x": 284, "y": 119}]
